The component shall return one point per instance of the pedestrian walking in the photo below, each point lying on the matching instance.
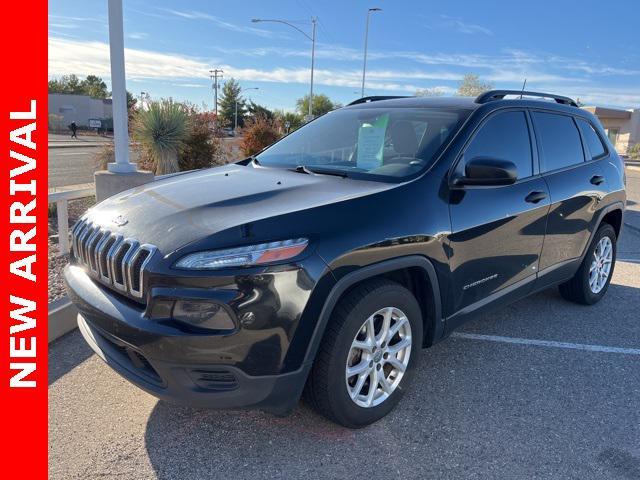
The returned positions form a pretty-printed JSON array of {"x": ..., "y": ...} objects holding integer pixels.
[{"x": 74, "y": 129}]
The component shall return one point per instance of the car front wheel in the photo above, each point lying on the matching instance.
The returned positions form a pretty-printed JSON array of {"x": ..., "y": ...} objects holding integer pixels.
[{"x": 367, "y": 354}]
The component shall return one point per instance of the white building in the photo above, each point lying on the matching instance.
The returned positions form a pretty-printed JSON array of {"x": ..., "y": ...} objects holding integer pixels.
[
  {"x": 78, "y": 108},
  {"x": 622, "y": 126}
]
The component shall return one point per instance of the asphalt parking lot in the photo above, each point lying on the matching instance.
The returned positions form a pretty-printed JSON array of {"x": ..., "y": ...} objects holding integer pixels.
[{"x": 561, "y": 402}]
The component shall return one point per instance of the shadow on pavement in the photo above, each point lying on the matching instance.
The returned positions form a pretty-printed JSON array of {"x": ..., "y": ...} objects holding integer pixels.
[
  {"x": 66, "y": 353},
  {"x": 478, "y": 402}
]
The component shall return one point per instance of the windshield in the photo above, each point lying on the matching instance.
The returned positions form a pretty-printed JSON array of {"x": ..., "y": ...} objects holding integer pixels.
[{"x": 372, "y": 143}]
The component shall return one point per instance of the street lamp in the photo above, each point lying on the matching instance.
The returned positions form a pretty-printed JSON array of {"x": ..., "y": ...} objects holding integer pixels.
[
  {"x": 313, "y": 50},
  {"x": 366, "y": 39},
  {"x": 235, "y": 123}
]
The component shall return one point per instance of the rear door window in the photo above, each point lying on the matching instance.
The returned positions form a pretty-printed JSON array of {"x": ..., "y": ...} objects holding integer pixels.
[
  {"x": 505, "y": 136},
  {"x": 558, "y": 139},
  {"x": 591, "y": 139}
]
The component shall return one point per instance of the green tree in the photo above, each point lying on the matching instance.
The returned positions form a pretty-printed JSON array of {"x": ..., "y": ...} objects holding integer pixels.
[
  {"x": 472, "y": 86},
  {"x": 321, "y": 105},
  {"x": 256, "y": 110},
  {"x": 66, "y": 84},
  {"x": 231, "y": 93},
  {"x": 95, "y": 87},
  {"x": 295, "y": 120}
]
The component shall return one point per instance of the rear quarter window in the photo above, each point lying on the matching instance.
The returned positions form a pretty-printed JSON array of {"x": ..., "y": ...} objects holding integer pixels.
[
  {"x": 558, "y": 139},
  {"x": 592, "y": 140}
]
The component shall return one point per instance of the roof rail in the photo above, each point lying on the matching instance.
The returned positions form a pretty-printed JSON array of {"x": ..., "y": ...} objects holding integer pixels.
[
  {"x": 500, "y": 94},
  {"x": 375, "y": 99}
]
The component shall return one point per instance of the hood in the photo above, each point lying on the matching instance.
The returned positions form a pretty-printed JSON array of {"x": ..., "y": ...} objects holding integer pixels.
[{"x": 178, "y": 210}]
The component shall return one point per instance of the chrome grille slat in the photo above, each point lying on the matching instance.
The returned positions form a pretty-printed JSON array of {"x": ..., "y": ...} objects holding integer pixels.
[
  {"x": 115, "y": 261},
  {"x": 91, "y": 244}
]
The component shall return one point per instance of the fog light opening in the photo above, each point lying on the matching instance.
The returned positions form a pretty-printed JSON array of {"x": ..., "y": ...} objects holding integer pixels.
[{"x": 203, "y": 314}]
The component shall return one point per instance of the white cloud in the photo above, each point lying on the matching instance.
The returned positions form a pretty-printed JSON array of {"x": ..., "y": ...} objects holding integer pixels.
[
  {"x": 137, "y": 35},
  {"x": 82, "y": 58},
  {"x": 190, "y": 85},
  {"x": 463, "y": 27},
  {"x": 195, "y": 15}
]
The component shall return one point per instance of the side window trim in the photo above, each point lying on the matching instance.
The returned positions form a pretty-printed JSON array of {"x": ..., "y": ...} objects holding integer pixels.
[
  {"x": 533, "y": 140},
  {"x": 534, "y": 156},
  {"x": 583, "y": 141}
]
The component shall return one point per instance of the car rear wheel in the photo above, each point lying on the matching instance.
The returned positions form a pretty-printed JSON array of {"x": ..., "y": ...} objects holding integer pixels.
[
  {"x": 367, "y": 355},
  {"x": 592, "y": 279}
]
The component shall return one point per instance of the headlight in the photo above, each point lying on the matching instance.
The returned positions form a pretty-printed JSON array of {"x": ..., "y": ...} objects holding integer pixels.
[{"x": 243, "y": 256}]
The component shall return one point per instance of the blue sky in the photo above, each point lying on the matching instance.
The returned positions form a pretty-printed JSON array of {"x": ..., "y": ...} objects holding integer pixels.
[{"x": 587, "y": 49}]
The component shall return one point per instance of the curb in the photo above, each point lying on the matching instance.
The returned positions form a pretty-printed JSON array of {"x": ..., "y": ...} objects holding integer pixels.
[
  {"x": 62, "y": 318},
  {"x": 79, "y": 145},
  {"x": 633, "y": 167}
]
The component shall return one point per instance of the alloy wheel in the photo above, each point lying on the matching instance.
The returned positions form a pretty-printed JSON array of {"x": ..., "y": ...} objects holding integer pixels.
[
  {"x": 601, "y": 265},
  {"x": 378, "y": 357}
]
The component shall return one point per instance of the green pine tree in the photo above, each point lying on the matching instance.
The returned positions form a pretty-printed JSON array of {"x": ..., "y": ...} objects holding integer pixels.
[{"x": 231, "y": 93}]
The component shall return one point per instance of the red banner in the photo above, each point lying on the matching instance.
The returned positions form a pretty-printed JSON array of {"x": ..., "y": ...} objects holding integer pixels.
[{"x": 23, "y": 297}]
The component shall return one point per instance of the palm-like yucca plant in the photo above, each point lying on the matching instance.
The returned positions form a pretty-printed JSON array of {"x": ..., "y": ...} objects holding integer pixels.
[{"x": 161, "y": 129}]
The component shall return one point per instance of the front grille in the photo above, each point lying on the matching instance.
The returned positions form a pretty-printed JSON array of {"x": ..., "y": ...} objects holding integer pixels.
[{"x": 109, "y": 257}]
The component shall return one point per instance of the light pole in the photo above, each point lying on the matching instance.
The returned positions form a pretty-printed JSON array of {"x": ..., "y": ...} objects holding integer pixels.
[
  {"x": 366, "y": 39},
  {"x": 235, "y": 123},
  {"x": 313, "y": 50},
  {"x": 118, "y": 91}
]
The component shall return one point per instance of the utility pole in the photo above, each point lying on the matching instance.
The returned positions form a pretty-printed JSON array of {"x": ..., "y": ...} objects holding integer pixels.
[{"x": 215, "y": 75}]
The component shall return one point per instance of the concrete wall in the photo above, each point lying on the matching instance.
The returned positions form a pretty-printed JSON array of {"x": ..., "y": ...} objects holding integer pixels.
[
  {"x": 78, "y": 108},
  {"x": 626, "y": 122}
]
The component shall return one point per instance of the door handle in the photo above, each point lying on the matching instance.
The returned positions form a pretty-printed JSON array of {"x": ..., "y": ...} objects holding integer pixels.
[
  {"x": 535, "y": 197},
  {"x": 597, "y": 179}
]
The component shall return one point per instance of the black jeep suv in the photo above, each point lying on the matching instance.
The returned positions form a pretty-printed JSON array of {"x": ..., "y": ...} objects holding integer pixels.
[{"x": 325, "y": 263}]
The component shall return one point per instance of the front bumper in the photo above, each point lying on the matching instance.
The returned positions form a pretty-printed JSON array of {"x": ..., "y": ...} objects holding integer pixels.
[{"x": 194, "y": 369}]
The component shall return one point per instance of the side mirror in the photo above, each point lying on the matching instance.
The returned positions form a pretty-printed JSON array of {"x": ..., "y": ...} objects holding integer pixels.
[{"x": 489, "y": 172}]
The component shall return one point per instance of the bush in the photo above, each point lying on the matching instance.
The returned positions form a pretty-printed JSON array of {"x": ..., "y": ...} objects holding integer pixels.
[
  {"x": 104, "y": 155},
  {"x": 55, "y": 123},
  {"x": 202, "y": 148},
  {"x": 258, "y": 134},
  {"x": 634, "y": 152},
  {"x": 162, "y": 129}
]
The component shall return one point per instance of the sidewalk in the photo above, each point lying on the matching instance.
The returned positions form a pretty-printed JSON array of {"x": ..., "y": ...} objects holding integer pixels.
[{"x": 65, "y": 141}]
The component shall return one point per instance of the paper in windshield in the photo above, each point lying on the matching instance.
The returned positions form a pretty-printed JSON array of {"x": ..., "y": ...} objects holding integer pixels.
[{"x": 371, "y": 143}]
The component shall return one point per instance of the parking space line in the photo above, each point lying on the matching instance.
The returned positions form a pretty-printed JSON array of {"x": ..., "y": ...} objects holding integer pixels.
[{"x": 547, "y": 343}]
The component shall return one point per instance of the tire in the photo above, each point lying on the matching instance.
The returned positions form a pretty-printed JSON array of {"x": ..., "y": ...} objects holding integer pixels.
[
  {"x": 328, "y": 387},
  {"x": 579, "y": 289}
]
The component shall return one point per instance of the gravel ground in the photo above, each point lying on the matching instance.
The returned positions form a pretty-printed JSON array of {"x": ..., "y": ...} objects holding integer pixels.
[{"x": 57, "y": 262}]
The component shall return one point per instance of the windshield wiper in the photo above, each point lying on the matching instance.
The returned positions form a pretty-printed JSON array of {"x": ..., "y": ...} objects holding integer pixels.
[{"x": 318, "y": 171}]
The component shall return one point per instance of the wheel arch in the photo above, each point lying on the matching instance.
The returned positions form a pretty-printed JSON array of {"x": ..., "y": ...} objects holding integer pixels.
[
  {"x": 415, "y": 272},
  {"x": 614, "y": 218},
  {"x": 608, "y": 214}
]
